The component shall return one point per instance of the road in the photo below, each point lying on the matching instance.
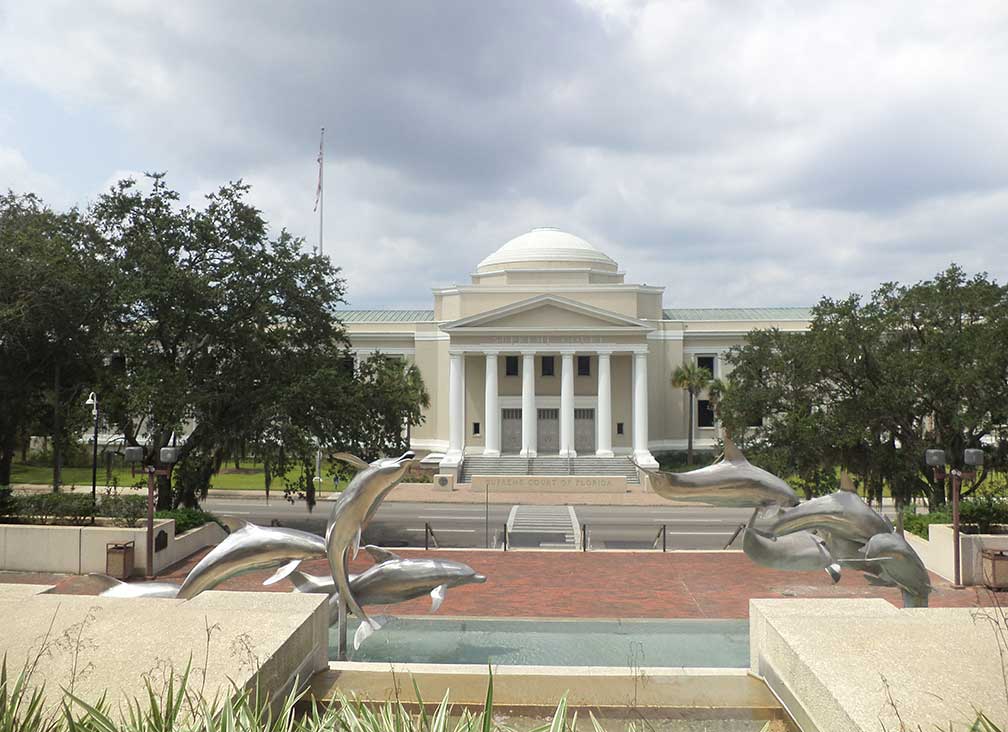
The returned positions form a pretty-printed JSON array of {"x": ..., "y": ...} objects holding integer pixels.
[{"x": 464, "y": 525}]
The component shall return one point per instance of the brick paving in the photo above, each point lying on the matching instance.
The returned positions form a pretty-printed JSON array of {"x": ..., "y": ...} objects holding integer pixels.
[{"x": 599, "y": 584}]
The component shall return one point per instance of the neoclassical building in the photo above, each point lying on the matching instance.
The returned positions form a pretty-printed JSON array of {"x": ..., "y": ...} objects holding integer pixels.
[{"x": 549, "y": 351}]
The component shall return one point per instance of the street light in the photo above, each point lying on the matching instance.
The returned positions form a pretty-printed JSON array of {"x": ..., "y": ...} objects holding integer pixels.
[
  {"x": 92, "y": 401},
  {"x": 168, "y": 456},
  {"x": 972, "y": 458}
]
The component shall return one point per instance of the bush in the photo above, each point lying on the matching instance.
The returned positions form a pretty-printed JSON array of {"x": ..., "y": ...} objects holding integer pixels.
[
  {"x": 189, "y": 518},
  {"x": 977, "y": 514},
  {"x": 123, "y": 510},
  {"x": 40, "y": 508}
]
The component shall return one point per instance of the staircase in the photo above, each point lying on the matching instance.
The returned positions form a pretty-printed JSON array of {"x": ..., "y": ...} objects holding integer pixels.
[
  {"x": 550, "y": 465},
  {"x": 547, "y": 527}
]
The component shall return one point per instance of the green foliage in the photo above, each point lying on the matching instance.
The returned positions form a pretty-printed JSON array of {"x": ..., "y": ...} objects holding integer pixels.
[
  {"x": 124, "y": 510},
  {"x": 874, "y": 383},
  {"x": 693, "y": 379},
  {"x": 61, "y": 508},
  {"x": 977, "y": 514},
  {"x": 189, "y": 518}
]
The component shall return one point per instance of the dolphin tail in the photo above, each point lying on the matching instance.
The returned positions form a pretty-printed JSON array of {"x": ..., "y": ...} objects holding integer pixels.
[
  {"x": 833, "y": 570},
  {"x": 367, "y": 628},
  {"x": 283, "y": 572}
]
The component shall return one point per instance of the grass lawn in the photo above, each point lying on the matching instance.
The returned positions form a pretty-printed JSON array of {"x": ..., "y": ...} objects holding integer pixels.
[{"x": 248, "y": 477}]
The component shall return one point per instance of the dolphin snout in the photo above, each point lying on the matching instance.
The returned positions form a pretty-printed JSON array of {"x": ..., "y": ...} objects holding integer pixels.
[{"x": 479, "y": 578}]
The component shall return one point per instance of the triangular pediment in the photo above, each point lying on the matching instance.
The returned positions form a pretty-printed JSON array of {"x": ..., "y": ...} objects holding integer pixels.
[{"x": 547, "y": 313}]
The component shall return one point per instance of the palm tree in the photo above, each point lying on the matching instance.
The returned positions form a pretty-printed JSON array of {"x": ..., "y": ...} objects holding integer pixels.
[{"x": 694, "y": 379}]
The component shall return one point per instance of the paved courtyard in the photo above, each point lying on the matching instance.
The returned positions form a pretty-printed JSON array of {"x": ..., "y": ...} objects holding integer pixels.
[{"x": 598, "y": 585}]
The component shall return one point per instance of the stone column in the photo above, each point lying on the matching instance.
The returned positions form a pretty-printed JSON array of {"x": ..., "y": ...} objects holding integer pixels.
[
  {"x": 456, "y": 406},
  {"x": 603, "y": 414},
  {"x": 529, "y": 415},
  {"x": 491, "y": 410},
  {"x": 567, "y": 404},
  {"x": 641, "y": 453}
]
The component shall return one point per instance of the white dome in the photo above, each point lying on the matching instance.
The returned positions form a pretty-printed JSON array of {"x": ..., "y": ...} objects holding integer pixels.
[{"x": 547, "y": 244}]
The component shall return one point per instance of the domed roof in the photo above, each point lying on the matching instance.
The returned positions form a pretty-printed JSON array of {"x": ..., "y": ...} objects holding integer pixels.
[{"x": 547, "y": 244}]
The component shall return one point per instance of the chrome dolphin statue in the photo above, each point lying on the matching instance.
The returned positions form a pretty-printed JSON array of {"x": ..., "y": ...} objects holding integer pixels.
[
  {"x": 899, "y": 565},
  {"x": 391, "y": 580},
  {"x": 118, "y": 588},
  {"x": 733, "y": 481},
  {"x": 355, "y": 507},
  {"x": 801, "y": 550},
  {"x": 842, "y": 514},
  {"x": 250, "y": 548}
]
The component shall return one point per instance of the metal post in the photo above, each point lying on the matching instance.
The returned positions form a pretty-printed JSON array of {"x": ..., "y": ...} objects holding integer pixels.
[
  {"x": 94, "y": 468},
  {"x": 505, "y": 537},
  {"x": 664, "y": 536},
  {"x": 956, "y": 484},
  {"x": 150, "y": 521},
  {"x": 486, "y": 518},
  {"x": 426, "y": 536},
  {"x": 341, "y": 618},
  {"x": 584, "y": 537}
]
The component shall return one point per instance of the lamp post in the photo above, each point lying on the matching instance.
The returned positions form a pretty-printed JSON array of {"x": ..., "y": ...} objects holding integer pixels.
[
  {"x": 972, "y": 459},
  {"x": 92, "y": 401},
  {"x": 168, "y": 456}
]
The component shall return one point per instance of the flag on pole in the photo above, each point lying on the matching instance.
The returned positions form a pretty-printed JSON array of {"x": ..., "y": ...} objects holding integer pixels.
[{"x": 318, "y": 188}]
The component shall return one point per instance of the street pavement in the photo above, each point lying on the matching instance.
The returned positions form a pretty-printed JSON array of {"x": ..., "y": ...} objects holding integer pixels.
[{"x": 466, "y": 526}]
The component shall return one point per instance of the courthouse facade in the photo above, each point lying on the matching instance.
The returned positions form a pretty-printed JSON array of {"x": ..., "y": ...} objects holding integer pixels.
[{"x": 548, "y": 351}]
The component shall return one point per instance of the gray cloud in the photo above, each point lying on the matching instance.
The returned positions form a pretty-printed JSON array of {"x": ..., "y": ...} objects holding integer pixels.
[{"x": 736, "y": 154}]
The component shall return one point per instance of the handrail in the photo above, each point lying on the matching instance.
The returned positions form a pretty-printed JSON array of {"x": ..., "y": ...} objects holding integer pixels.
[
  {"x": 661, "y": 536},
  {"x": 585, "y": 537},
  {"x": 430, "y": 536}
]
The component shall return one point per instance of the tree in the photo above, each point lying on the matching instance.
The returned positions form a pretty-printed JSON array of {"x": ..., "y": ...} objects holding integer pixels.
[
  {"x": 874, "y": 383},
  {"x": 693, "y": 379},
  {"x": 54, "y": 304}
]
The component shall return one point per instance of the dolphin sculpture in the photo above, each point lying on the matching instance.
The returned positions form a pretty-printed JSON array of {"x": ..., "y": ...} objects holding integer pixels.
[
  {"x": 899, "y": 565},
  {"x": 349, "y": 516},
  {"x": 731, "y": 482},
  {"x": 117, "y": 588},
  {"x": 392, "y": 579},
  {"x": 801, "y": 550},
  {"x": 843, "y": 514},
  {"x": 250, "y": 548}
]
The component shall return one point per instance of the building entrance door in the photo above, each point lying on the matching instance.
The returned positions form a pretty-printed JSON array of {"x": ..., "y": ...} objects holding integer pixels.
[
  {"x": 584, "y": 431},
  {"x": 548, "y": 432},
  {"x": 511, "y": 431}
]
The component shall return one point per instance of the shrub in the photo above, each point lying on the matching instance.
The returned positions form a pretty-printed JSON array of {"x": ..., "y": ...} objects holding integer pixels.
[
  {"x": 72, "y": 508},
  {"x": 979, "y": 513},
  {"x": 123, "y": 510},
  {"x": 189, "y": 518}
]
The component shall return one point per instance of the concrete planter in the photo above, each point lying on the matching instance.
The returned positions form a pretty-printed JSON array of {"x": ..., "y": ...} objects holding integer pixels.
[
  {"x": 81, "y": 549},
  {"x": 937, "y": 552}
]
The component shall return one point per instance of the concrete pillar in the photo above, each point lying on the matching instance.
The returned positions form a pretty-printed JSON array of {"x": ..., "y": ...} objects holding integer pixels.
[
  {"x": 641, "y": 452},
  {"x": 491, "y": 410},
  {"x": 603, "y": 415},
  {"x": 456, "y": 407},
  {"x": 567, "y": 404},
  {"x": 529, "y": 415}
]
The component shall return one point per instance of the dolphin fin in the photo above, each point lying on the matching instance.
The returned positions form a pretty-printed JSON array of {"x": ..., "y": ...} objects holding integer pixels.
[
  {"x": 380, "y": 555},
  {"x": 731, "y": 453},
  {"x": 351, "y": 460},
  {"x": 283, "y": 572},
  {"x": 105, "y": 581},
  {"x": 437, "y": 597},
  {"x": 356, "y": 542},
  {"x": 770, "y": 511},
  {"x": 846, "y": 484},
  {"x": 366, "y": 629},
  {"x": 833, "y": 570}
]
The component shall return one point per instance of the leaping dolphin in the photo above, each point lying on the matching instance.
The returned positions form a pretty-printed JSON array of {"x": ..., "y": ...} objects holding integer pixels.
[
  {"x": 118, "y": 588},
  {"x": 349, "y": 516},
  {"x": 732, "y": 482},
  {"x": 899, "y": 565},
  {"x": 843, "y": 514},
  {"x": 251, "y": 547},
  {"x": 801, "y": 550},
  {"x": 391, "y": 580}
]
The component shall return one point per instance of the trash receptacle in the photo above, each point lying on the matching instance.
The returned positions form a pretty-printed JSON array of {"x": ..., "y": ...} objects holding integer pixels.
[
  {"x": 119, "y": 560},
  {"x": 995, "y": 569}
]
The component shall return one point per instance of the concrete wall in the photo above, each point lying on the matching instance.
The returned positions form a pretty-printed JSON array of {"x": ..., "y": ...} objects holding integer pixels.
[
  {"x": 937, "y": 552},
  {"x": 83, "y": 549}
]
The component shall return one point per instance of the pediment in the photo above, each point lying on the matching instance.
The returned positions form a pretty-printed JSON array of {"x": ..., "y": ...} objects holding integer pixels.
[{"x": 547, "y": 313}]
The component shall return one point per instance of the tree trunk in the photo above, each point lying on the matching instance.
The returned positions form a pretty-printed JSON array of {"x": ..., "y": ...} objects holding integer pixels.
[
  {"x": 6, "y": 458},
  {"x": 689, "y": 437},
  {"x": 57, "y": 431}
]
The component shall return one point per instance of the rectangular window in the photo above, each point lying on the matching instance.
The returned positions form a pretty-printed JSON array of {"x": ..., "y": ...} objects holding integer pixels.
[
  {"x": 510, "y": 365},
  {"x": 619, "y": 428},
  {"x": 547, "y": 366},
  {"x": 475, "y": 428},
  {"x": 707, "y": 362},
  {"x": 705, "y": 415},
  {"x": 584, "y": 365}
]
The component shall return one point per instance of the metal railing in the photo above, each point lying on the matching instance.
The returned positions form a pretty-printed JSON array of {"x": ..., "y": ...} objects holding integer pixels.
[
  {"x": 662, "y": 537},
  {"x": 430, "y": 537}
]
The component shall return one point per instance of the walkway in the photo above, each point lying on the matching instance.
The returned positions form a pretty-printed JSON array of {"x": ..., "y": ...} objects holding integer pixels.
[{"x": 601, "y": 585}]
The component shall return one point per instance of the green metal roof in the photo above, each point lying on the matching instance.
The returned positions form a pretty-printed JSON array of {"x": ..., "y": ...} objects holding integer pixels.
[
  {"x": 737, "y": 313},
  {"x": 385, "y": 316}
]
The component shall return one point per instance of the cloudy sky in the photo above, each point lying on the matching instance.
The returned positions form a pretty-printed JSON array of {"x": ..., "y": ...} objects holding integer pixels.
[{"x": 737, "y": 153}]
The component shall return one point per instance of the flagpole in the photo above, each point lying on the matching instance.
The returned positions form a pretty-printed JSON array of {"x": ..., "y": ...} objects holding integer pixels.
[{"x": 321, "y": 188}]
